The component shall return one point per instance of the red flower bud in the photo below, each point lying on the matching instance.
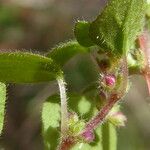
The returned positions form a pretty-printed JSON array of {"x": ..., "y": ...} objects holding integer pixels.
[
  {"x": 88, "y": 136},
  {"x": 110, "y": 80}
]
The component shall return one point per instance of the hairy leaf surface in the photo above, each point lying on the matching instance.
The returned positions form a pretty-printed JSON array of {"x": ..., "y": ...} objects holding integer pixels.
[
  {"x": 63, "y": 52},
  {"x": 18, "y": 67},
  {"x": 82, "y": 33},
  {"x": 117, "y": 27}
]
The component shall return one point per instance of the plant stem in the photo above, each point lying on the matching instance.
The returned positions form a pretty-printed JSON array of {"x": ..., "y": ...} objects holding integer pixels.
[
  {"x": 64, "y": 110},
  {"x": 99, "y": 118},
  {"x": 66, "y": 144},
  {"x": 114, "y": 98}
]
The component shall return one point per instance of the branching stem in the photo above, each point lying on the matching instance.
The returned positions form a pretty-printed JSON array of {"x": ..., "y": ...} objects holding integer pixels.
[
  {"x": 66, "y": 144},
  {"x": 114, "y": 98}
]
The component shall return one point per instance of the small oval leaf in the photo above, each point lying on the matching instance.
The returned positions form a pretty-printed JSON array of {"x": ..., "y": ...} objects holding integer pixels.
[
  {"x": 19, "y": 67},
  {"x": 81, "y": 32},
  {"x": 63, "y": 52}
]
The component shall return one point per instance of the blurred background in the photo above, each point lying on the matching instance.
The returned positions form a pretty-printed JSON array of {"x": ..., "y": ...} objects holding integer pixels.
[{"x": 37, "y": 26}]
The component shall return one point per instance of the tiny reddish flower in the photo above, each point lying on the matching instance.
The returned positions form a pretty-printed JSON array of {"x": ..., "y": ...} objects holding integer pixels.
[
  {"x": 88, "y": 136},
  {"x": 110, "y": 80}
]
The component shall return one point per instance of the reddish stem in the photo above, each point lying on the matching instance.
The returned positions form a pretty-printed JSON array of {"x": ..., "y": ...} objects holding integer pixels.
[
  {"x": 144, "y": 43},
  {"x": 67, "y": 143},
  {"x": 99, "y": 118},
  {"x": 114, "y": 98}
]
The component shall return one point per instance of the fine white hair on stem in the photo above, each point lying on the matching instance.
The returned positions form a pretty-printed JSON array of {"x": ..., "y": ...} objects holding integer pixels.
[{"x": 64, "y": 110}]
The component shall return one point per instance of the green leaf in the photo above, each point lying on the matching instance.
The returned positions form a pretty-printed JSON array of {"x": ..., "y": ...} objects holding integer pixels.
[
  {"x": 63, "y": 52},
  {"x": 50, "y": 121},
  {"x": 2, "y": 104},
  {"x": 85, "y": 108},
  {"x": 135, "y": 62},
  {"x": 117, "y": 27},
  {"x": 82, "y": 33},
  {"x": 18, "y": 67}
]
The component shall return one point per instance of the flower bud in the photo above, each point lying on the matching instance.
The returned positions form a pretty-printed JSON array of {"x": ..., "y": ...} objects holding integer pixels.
[
  {"x": 117, "y": 118},
  {"x": 75, "y": 124},
  {"x": 103, "y": 64},
  {"x": 88, "y": 136},
  {"x": 110, "y": 80}
]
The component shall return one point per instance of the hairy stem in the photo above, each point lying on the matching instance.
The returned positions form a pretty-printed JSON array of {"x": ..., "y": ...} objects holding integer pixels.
[
  {"x": 99, "y": 118},
  {"x": 66, "y": 144},
  {"x": 114, "y": 98},
  {"x": 64, "y": 111}
]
